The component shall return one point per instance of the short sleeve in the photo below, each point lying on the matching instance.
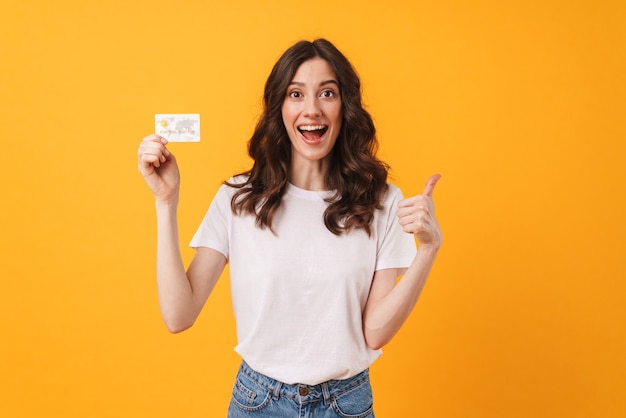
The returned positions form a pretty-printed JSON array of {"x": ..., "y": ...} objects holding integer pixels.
[
  {"x": 214, "y": 231},
  {"x": 396, "y": 248}
]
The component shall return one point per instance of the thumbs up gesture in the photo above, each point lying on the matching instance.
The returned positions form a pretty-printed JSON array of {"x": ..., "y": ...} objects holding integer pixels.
[{"x": 417, "y": 215}]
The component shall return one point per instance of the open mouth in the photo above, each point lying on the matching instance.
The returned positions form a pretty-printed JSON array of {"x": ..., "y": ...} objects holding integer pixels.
[{"x": 312, "y": 133}]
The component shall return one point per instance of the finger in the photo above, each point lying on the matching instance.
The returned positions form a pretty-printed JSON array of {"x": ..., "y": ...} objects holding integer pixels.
[
  {"x": 154, "y": 145},
  {"x": 166, "y": 152},
  {"x": 153, "y": 150},
  {"x": 155, "y": 139},
  {"x": 430, "y": 185},
  {"x": 409, "y": 201},
  {"x": 412, "y": 211},
  {"x": 150, "y": 160},
  {"x": 405, "y": 202}
]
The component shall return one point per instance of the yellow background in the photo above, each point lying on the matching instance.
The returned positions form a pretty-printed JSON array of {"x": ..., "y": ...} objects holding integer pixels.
[{"x": 519, "y": 104}]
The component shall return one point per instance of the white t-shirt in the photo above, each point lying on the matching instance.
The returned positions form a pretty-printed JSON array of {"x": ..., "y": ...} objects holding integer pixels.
[{"x": 298, "y": 295}]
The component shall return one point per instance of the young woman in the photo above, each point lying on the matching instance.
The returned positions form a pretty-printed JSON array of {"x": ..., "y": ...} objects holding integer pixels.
[{"x": 315, "y": 238}]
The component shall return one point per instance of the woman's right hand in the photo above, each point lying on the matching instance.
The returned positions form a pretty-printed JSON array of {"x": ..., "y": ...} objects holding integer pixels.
[{"x": 158, "y": 167}]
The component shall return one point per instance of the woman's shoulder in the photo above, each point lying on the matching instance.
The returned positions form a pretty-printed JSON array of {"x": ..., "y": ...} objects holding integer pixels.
[
  {"x": 392, "y": 191},
  {"x": 234, "y": 183},
  {"x": 237, "y": 180},
  {"x": 393, "y": 195},
  {"x": 229, "y": 187}
]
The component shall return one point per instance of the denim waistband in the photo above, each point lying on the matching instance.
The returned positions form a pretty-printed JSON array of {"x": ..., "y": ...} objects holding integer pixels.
[{"x": 306, "y": 393}]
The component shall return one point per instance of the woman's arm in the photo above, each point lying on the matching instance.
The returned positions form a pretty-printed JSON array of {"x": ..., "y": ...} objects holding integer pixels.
[
  {"x": 389, "y": 303},
  {"x": 181, "y": 294}
]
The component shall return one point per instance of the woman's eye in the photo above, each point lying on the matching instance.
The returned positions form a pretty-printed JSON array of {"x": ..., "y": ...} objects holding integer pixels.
[
  {"x": 328, "y": 93},
  {"x": 295, "y": 94}
]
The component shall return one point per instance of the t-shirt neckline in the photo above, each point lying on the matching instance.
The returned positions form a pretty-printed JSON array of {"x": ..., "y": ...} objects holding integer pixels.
[{"x": 308, "y": 194}]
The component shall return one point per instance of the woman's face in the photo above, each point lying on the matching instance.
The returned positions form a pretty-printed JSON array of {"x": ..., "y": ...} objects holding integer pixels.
[{"x": 312, "y": 112}]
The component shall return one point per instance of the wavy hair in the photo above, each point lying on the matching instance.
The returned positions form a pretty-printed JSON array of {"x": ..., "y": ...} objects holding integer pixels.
[{"x": 357, "y": 177}]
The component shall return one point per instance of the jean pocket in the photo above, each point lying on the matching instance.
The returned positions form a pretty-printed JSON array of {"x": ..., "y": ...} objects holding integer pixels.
[
  {"x": 248, "y": 395},
  {"x": 355, "y": 403}
]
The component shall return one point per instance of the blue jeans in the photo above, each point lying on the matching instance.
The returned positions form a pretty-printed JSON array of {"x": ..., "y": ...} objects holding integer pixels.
[{"x": 258, "y": 396}]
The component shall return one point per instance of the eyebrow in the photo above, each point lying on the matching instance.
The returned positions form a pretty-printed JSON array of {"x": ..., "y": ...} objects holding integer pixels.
[{"x": 323, "y": 83}]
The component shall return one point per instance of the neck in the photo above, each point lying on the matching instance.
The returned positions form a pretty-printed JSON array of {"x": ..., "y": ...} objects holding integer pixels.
[{"x": 311, "y": 176}]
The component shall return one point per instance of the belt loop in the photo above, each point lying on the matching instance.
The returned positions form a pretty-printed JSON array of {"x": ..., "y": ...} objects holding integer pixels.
[
  {"x": 276, "y": 390},
  {"x": 326, "y": 393}
]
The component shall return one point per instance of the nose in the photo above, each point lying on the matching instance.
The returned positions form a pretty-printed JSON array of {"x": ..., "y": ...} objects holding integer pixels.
[{"x": 312, "y": 107}]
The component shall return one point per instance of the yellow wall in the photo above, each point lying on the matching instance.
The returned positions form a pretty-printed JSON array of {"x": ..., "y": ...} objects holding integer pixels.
[{"x": 519, "y": 104}]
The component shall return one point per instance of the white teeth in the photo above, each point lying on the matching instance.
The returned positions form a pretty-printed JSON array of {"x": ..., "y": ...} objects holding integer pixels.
[{"x": 311, "y": 127}]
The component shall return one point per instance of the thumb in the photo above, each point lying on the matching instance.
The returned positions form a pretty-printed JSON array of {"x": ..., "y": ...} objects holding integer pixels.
[{"x": 430, "y": 185}]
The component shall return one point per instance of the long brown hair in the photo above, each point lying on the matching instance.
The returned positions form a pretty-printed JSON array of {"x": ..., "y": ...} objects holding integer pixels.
[{"x": 358, "y": 178}]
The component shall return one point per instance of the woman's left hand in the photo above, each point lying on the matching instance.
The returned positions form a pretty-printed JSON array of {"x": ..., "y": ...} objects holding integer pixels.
[{"x": 417, "y": 215}]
